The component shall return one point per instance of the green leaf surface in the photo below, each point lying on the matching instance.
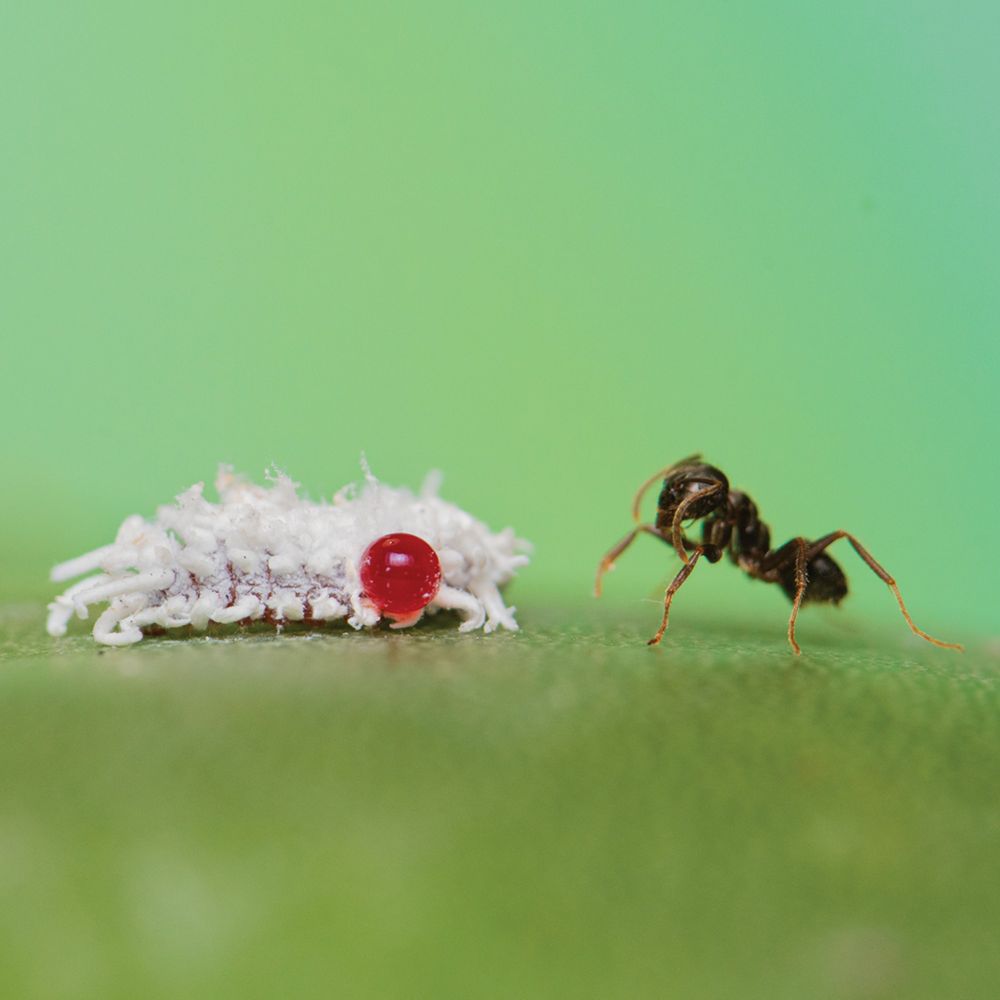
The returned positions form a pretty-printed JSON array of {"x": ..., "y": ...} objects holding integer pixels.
[{"x": 558, "y": 812}]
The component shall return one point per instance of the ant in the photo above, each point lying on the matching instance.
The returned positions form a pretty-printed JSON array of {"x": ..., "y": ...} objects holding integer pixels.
[{"x": 695, "y": 491}]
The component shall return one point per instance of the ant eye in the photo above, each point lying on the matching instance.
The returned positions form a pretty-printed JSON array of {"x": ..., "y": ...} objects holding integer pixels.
[{"x": 400, "y": 574}]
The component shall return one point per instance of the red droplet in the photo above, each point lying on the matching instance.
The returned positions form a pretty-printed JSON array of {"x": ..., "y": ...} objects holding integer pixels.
[{"x": 400, "y": 574}]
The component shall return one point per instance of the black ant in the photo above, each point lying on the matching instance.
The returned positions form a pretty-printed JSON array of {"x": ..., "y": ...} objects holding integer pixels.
[{"x": 694, "y": 491}]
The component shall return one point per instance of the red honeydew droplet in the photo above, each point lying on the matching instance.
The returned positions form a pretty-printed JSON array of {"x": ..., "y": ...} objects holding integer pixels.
[{"x": 400, "y": 574}]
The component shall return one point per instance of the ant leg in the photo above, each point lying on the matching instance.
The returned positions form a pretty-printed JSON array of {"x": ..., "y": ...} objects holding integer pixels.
[
  {"x": 609, "y": 560},
  {"x": 685, "y": 572},
  {"x": 778, "y": 559},
  {"x": 800, "y": 589},
  {"x": 820, "y": 544}
]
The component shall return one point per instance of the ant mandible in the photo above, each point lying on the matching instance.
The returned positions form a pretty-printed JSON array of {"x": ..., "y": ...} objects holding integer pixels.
[{"x": 695, "y": 491}]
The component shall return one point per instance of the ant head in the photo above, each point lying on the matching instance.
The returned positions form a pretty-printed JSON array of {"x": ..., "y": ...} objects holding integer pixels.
[{"x": 701, "y": 489}]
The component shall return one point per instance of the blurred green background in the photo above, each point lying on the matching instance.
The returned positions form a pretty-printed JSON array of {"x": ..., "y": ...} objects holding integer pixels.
[
  {"x": 543, "y": 247},
  {"x": 547, "y": 248}
]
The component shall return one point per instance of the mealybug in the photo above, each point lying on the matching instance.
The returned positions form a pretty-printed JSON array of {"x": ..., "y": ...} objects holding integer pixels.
[{"x": 266, "y": 554}]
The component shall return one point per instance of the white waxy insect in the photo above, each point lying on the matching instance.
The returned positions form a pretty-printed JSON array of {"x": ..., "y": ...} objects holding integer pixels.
[{"x": 266, "y": 554}]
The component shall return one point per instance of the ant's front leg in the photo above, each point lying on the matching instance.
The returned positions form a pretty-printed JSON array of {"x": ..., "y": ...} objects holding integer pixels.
[
  {"x": 795, "y": 552},
  {"x": 827, "y": 540},
  {"x": 608, "y": 561},
  {"x": 685, "y": 572}
]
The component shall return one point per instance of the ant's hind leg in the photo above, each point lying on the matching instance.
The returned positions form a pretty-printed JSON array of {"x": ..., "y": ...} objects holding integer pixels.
[
  {"x": 609, "y": 560},
  {"x": 820, "y": 544},
  {"x": 685, "y": 572}
]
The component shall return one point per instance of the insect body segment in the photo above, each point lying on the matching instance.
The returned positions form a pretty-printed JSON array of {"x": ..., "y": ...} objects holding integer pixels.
[{"x": 695, "y": 491}]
